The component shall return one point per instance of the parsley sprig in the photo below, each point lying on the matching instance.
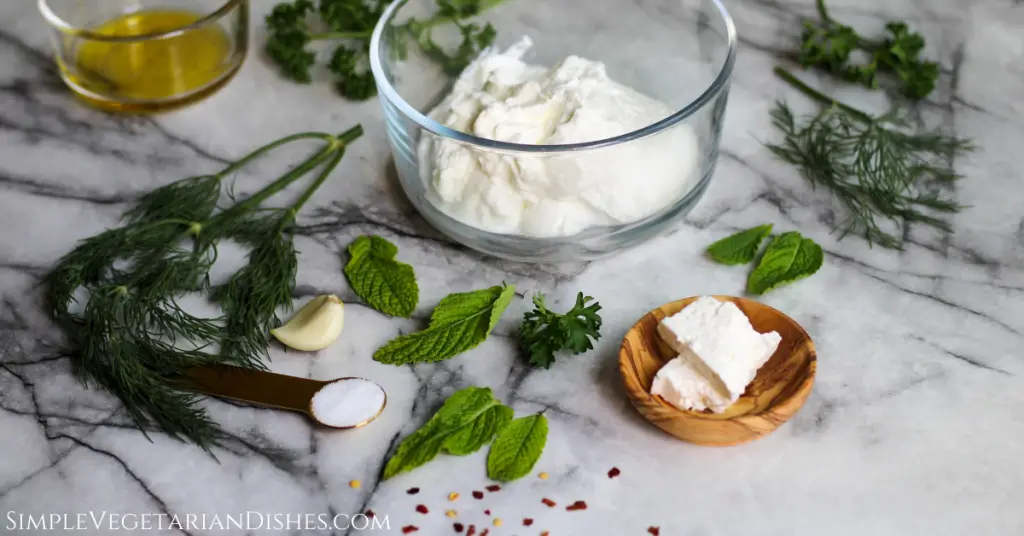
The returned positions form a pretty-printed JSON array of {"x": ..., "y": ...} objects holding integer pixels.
[
  {"x": 544, "y": 332},
  {"x": 829, "y": 45},
  {"x": 294, "y": 26}
]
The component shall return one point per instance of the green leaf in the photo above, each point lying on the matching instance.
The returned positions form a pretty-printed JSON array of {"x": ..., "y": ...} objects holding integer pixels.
[
  {"x": 544, "y": 332},
  {"x": 740, "y": 248},
  {"x": 460, "y": 426},
  {"x": 385, "y": 284},
  {"x": 517, "y": 448},
  {"x": 471, "y": 437},
  {"x": 460, "y": 322},
  {"x": 789, "y": 257}
]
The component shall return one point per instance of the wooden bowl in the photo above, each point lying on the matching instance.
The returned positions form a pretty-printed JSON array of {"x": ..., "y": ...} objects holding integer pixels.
[{"x": 777, "y": 392}]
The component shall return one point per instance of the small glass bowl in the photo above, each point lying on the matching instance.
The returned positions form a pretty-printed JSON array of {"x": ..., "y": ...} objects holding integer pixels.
[
  {"x": 680, "y": 52},
  {"x": 140, "y": 56}
]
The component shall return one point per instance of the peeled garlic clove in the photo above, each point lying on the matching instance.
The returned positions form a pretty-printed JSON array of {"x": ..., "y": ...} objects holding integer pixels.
[{"x": 315, "y": 326}]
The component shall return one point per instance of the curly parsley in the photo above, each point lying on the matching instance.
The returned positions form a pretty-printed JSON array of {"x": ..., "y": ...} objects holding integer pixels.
[
  {"x": 295, "y": 26},
  {"x": 544, "y": 332}
]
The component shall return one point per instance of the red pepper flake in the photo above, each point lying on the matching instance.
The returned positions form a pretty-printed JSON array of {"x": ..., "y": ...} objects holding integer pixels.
[
  {"x": 410, "y": 529},
  {"x": 494, "y": 487},
  {"x": 459, "y": 527},
  {"x": 614, "y": 472},
  {"x": 412, "y": 491},
  {"x": 478, "y": 495},
  {"x": 545, "y": 533},
  {"x": 422, "y": 509},
  {"x": 549, "y": 502},
  {"x": 653, "y": 531},
  {"x": 527, "y": 522},
  {"x": 487, "y": 512},
  {"x": 578, "y": 505},
  {"x": 369, "y": 513},
  {"x": 471, "y": 531},
  {"x": 484, "y": 533}
]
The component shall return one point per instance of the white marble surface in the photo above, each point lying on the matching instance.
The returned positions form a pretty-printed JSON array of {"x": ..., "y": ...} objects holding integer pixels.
[{"x": 914, "y": 426}]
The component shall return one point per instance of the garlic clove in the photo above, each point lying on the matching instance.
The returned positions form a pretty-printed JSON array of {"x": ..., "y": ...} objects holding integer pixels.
[{"x": 315, "y": 326}]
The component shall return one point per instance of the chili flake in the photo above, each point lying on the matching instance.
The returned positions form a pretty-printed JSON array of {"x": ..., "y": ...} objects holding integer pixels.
[
  {"x": 614, "y": 472},
  {"x": 412, "y": 491},
  {"x": 653, "y": 531},
  {"x": 410, "y": 529},
  {"x": 369, "y": 513},
  {"x": 549, "y": 502},
  {"x": 527, "y": 522},
  {"x": 487, "y": 512},
  {"x": 478, "y": 495},
  {"x": 422, "y": 509},
  {"x": 471, "y": 531},
  {"x": 578, "y": 505},
  {"x": 494, "y": 487},
  {"x": 458, "y": 527}
]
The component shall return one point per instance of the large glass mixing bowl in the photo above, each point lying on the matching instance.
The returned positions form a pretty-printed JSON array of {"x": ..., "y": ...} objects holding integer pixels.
[{"x": 680, "y": 52}]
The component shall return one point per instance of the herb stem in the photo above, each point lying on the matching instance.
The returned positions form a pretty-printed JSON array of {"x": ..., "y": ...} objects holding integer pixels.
[
  {"x": 271, "y": 146},
  {"x": 340, "y": 35},
  {"x": 340, "y": 142},
  {"x": 818, "y": 96},
  {"x": 823, "y": 12},
  {"x": 276, "y": 186}
]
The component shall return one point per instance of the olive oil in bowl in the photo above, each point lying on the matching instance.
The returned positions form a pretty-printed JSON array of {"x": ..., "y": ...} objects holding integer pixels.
[{"x": 159, "y": 59}]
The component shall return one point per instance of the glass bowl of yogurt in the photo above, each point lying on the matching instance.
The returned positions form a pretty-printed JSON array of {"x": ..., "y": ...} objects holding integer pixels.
[{"x": 581, "y": 130}]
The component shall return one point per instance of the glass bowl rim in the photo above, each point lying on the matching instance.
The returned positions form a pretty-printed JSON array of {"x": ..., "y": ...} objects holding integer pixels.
[
  {"x": 73, "y": 30},
  {"x": 388, "y": 92}
]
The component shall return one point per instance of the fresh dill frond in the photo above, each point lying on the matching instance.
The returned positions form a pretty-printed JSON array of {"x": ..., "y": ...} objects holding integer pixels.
[
  {"x": 887, "y": 175},
  {"x": 132, "y": 338}
]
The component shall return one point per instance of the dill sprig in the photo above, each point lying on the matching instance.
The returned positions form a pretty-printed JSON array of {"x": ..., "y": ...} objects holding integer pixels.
[
  {"x": 117, "y": 293},
  {"x": 887, "y": 175}
]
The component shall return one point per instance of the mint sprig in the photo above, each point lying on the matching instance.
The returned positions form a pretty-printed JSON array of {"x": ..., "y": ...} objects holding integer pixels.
[
  {"x": 382, "y": 282},
  {"x": 467, "y": 421},
  {"x": 789, "y": 257},
  {"x": 517, "y": 448},
  {"x": 740, "y": 248},
  {"x": 460, "y": 322}
]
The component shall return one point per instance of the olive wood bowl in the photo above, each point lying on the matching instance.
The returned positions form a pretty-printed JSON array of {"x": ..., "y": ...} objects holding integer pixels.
[{"x": 777, "y": 392}]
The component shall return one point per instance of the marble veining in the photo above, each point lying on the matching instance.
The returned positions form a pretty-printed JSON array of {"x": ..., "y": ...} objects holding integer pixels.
[{"x": 912, "y": 427}]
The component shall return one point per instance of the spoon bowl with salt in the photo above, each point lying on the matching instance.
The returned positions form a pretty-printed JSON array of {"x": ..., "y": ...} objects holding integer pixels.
[{"x": 342, "y": 403}]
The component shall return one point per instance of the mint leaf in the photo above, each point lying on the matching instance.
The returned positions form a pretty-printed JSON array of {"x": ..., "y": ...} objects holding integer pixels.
[
  {"x": 480, "y": 432},
  {"x": 788, "y": 257},
  {"x": 741, "y": 247},
  {"x": 517, "y": 448},
  {"x": 466, "y": 421},
  {"x": 460, "y": 322},
  {"x": 382, "y": 282}
]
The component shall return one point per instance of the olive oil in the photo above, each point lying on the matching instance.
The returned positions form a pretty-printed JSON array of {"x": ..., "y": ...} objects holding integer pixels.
[{"x": 152, "y": 73}]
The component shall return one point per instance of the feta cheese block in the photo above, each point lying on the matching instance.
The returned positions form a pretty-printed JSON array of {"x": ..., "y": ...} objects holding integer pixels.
[
  {"x": 682, "y": 385},
  {"x": 719, "y": 343}
]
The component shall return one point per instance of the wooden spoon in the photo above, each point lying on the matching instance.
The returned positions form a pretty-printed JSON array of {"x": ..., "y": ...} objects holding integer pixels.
[
  {"x": 780, "y": 388},
  {"x": 265, "y": 389}
]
